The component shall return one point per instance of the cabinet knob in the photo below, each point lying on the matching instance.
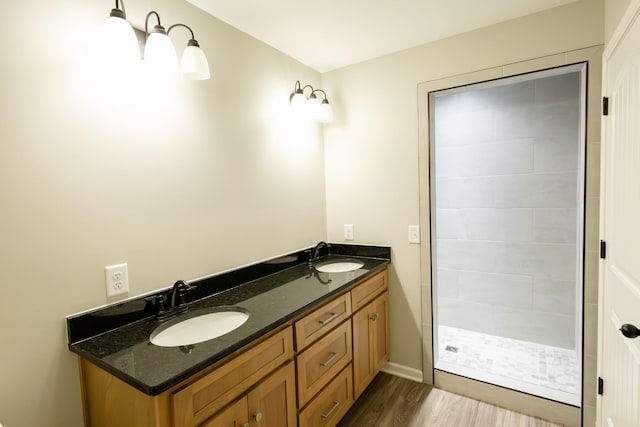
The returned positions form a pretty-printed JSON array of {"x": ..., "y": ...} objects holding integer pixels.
[
  {"x": 374, "y": 316},
  {"x": 257, "y": 416}
]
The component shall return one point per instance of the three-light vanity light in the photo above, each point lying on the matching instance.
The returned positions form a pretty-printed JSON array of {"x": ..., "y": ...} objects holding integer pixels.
[
  {"x": 159, "y": 52},
  {"x": 311, "y": 105}
]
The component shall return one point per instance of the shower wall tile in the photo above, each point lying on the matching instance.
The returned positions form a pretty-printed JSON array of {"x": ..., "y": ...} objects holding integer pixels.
[
  {"x": 557, "y": 121},
  {"x": 504, "y": 290},
  {"x": 555, "y": 225},
  {"x": 548, "y": 261},
  {"x": 465, "y": 315},
  {"x": 466, "y": 255},
  {"x": 515, "y": 323},
  {"x": 449, "y": 224},
  {"x": 536, "y": 191},
  {"x": 504, "y": 225},
  {"x": 485, "y": 159},
  {"x": 463, "y": 127},
  {"x": 552, "y": 155},
  {"x": 513, "y": 95},
  {"x": 554, "y": 296},
  {"x": 515, "y": 122},
  {"x": 557, "y": 330},
  {"x": 557, "y": 89},
  {"x": 448, "y": 283},
  {"x": 465, "y": 193}
]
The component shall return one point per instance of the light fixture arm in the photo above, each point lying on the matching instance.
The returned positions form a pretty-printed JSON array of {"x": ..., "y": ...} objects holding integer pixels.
[
  {"x": 192, "y": 41},
  {"x": 156, "y": 29},
  {"x": 323, "y": 92},
  {"x": 119, "y": 11}
]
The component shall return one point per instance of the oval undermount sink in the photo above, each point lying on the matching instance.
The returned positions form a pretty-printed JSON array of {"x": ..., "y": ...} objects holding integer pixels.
[
  {"x": 339, "y": 266},
  {"x": 199, "y": 326}
]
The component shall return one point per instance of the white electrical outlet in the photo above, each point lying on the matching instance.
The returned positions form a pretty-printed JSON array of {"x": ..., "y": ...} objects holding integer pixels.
[
  {"x": 117, "y": 280},
  {"x": 348, "y": 232},
  {"x": 414, "y": 234}
]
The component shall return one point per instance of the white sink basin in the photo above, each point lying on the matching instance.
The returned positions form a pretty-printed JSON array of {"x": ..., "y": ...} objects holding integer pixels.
[
  {"x": 339, "y": 266},
  {"x": 199, "y": 326}
]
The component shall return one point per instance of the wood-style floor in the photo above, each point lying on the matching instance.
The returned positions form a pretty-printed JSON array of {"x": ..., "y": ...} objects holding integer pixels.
[{"x": 391, "y": 401}]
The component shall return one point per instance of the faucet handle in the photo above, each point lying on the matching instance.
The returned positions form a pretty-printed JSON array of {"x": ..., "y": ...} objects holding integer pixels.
[
  {"x": 158, "y": 302},
  {"x": 182, "y": 289},
  {"x": 309, "y": 254}
]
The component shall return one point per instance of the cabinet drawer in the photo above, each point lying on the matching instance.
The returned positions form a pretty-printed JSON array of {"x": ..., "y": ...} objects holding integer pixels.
[
  {"x": 322, "y": 320},
  {"x": 362, "y": 294},
  {"x": 205, "y": 396},
  {"x": 331, "y": 404},
  {"x": 322, "y": 361}
]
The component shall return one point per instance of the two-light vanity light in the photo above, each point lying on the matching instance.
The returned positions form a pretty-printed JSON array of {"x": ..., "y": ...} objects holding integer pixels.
[
  {"x": 159, "y": 52},
  {"x": 311, "y": 105}
]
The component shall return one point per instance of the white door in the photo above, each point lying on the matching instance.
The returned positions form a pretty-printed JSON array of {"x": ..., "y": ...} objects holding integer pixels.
[{"x": 619, "y": 366}]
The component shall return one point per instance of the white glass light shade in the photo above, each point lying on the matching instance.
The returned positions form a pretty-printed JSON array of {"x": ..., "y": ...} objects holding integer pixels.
[
  {"x": 326, "y": 112},
  {"x": 119, "y": 42},
  {"x": 315, "y": 110},
  {"x": 159, "y": 53},
  {"x": 298, "y": 102},
  {"x": 194, "y": 64}
]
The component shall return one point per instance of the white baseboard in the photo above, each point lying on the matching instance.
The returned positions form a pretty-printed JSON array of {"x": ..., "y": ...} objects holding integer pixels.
[{"x": 403, "y": 371}]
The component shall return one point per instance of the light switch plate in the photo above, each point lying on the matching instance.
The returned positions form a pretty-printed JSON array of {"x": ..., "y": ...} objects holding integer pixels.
[
  {"x": 116, "y": 280},
  {"x": 414, "y": 234},
  {"x": 348, "y": 232}
]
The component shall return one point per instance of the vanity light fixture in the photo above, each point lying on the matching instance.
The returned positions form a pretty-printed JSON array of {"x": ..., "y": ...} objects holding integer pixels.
[
  {"x": 311, "y": 105},
  {"x": 159, "y": 52}
]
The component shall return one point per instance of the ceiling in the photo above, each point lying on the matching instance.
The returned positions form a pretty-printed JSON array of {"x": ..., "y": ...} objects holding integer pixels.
[{"x": 330, "y": 34}]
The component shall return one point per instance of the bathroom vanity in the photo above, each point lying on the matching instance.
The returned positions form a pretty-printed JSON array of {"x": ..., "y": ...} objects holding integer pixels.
[{"x": 312, "y": 343}]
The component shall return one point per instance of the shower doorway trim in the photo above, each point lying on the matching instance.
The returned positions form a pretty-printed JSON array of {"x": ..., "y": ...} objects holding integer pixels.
[{"x": 518, "y": 401}]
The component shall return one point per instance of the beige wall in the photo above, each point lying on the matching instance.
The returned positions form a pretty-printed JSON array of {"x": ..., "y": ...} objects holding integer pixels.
[
  {"x": 372, "y": 173},
  {"x": 614, "y": 10},
  {"x": 179, "y": 180}
]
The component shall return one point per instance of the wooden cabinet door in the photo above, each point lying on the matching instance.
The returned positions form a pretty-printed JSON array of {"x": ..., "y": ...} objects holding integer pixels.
[
  {"x": 380, "y": 330},
  {"x": 362, "y": 360},
  {"x": 370, "y": 342},
  {"x": 235, "y": 415},
  {"x": 273, "y": 402}
]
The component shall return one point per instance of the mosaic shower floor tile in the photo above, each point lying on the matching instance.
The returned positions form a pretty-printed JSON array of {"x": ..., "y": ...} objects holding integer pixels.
[{"x": 541, "y": 366}]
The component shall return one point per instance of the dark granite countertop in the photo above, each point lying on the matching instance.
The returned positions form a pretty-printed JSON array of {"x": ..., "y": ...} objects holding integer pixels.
[{"x": 122, "y": 347}]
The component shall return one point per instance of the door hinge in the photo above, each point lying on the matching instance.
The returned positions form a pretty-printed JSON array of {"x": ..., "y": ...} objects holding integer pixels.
[
  {"x": 603, "y": 249},
  {"x": 605, "y": 106},
  {"x": 600, "y": 385}
]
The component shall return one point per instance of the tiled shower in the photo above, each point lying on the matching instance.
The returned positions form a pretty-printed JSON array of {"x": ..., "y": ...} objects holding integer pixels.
[{"x": 508, "y": 198}]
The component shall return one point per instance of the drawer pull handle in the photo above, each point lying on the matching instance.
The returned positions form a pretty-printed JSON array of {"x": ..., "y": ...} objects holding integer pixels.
[
  {"x": 331, "y": 411},
  {"x": 257, "y": 416},
  {"x": 328, "y": 319},
  {"x": 330, "y": 360}
]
